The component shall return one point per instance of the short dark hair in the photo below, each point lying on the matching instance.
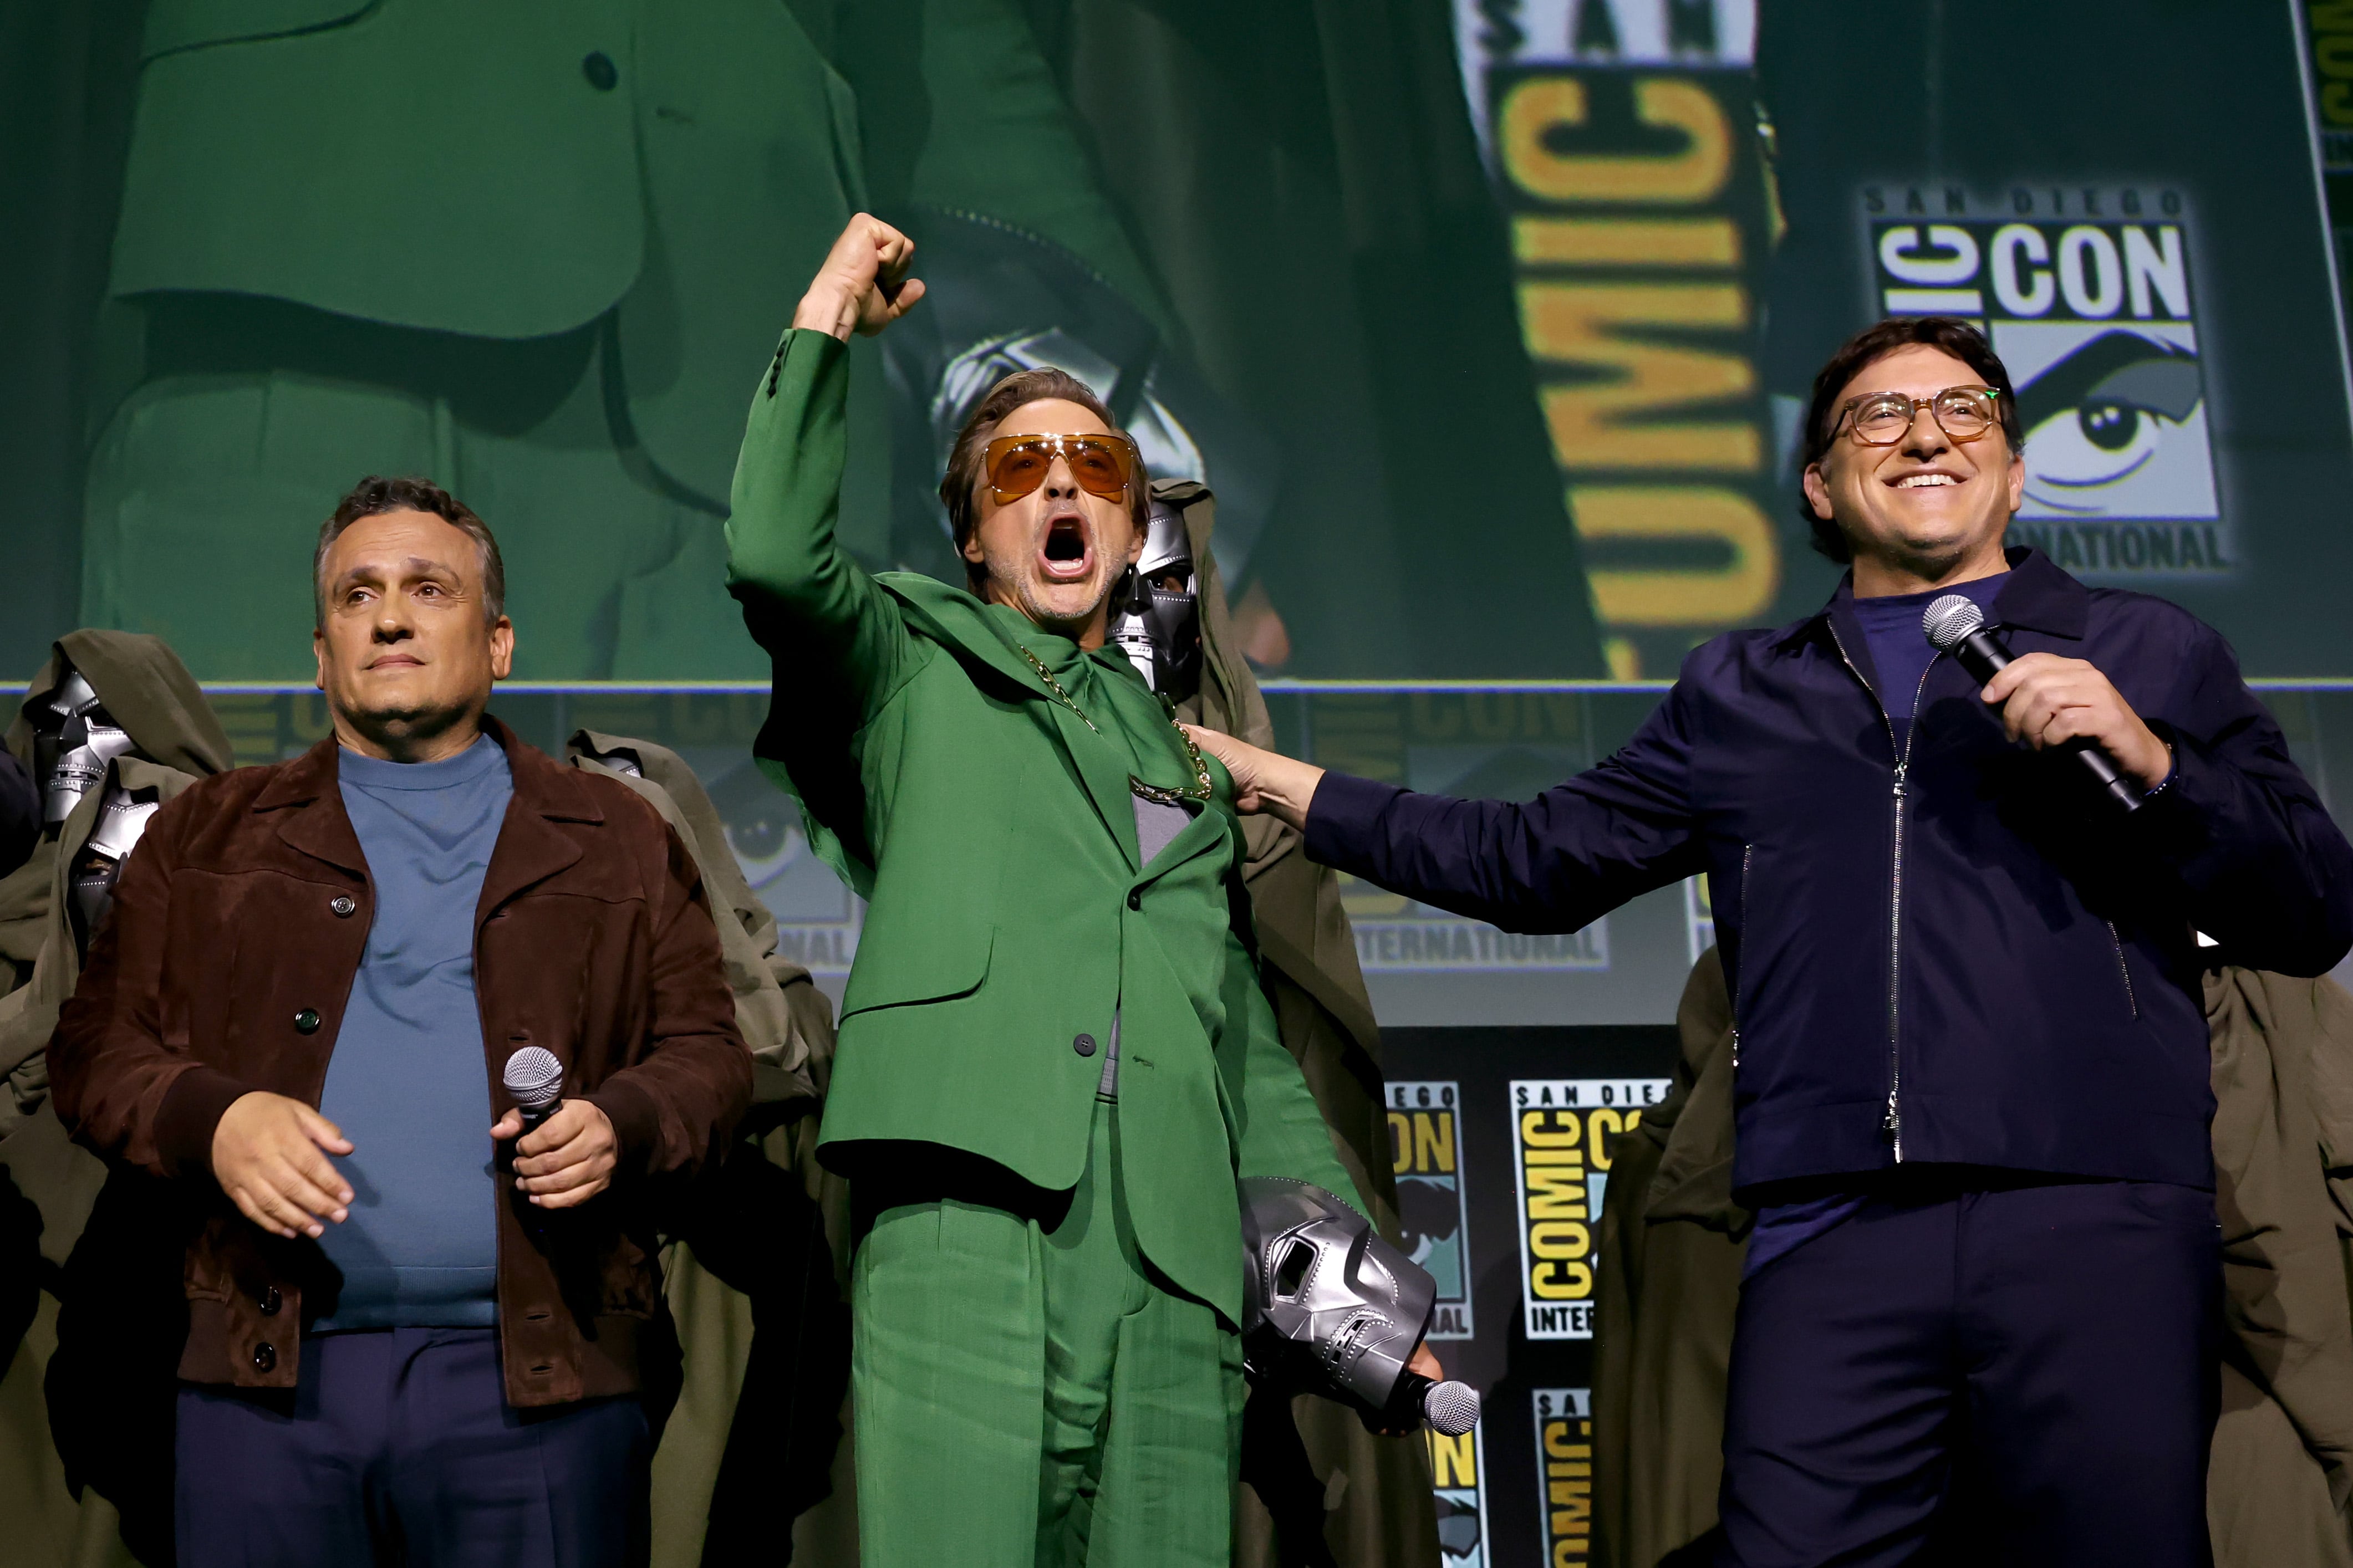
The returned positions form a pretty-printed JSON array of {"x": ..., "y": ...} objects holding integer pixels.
[
  {"x": 377, "y": 494},
  {"x": 959, "y": 491},
  {"x": 1955, "y": 337}
]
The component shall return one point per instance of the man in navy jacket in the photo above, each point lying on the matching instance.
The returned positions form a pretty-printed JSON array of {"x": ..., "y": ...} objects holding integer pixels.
[{"x": 1971, "y": 1056}]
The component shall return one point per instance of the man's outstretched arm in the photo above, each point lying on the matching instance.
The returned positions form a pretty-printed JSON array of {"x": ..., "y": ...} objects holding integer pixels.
[
  {"x": 805, "y": 600},
  {"x": 1553, "y": 864}
]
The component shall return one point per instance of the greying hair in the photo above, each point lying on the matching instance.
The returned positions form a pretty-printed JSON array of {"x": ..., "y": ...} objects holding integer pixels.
[{"x": 373, "y": 496}]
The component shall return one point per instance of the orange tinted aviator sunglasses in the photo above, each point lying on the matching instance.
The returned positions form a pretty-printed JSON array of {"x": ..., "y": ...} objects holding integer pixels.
[{"x": 1017, "y": 465}]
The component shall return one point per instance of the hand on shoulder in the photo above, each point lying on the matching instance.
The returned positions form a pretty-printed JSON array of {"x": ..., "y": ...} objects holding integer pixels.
[{"x": 1264, "y": 780}]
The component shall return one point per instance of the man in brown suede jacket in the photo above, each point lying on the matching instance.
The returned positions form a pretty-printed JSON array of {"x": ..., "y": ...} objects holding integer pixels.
[{"x": 414, "y": 1335}]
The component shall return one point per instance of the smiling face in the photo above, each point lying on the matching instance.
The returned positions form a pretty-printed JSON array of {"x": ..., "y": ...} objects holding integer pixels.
[
  {"x": 1928, "y": 509},
  {"x": 1055, "y": 553},
  {"x": 406, "y": 654}
]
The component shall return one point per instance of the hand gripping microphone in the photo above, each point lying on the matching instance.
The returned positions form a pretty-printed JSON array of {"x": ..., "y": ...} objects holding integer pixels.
[
  {"x": 1330, "y": 1308},
  {"x": 535, "y": 1079},
  {"x": 1956, "y": 625}
]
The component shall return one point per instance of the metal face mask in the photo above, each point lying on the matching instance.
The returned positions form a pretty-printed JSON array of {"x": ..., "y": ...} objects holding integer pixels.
[
  {"x": 74, "y": 738},
  {"x": 121, "y": 821},
  {"x": 1158, "y": 618},
  {"x": 1324, "y": 1294}
]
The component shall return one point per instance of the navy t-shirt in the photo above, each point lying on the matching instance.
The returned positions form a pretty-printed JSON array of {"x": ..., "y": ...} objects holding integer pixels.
[{"x": 1900, "y": 649}]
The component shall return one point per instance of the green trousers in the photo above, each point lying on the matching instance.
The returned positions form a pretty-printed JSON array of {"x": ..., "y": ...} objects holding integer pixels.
[{"x": 1032, "y": 1394}]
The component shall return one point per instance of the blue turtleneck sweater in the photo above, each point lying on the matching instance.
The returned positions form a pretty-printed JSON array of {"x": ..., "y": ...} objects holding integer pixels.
[{"x": 408, "y": 1083}]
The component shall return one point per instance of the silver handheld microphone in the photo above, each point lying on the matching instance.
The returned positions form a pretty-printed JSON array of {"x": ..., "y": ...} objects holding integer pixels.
[
  {"x": 1956, "y": 625},
  {"x": 535, "y": 1079},
  {"x": 1449, "y": 1407}
]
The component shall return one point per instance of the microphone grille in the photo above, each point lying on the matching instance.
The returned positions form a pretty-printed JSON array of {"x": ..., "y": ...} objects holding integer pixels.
[
  {"x": 1452, "y": 1408},
  {"x": 1951, "y": 618},
  {"x": 535, "y": 1078}
]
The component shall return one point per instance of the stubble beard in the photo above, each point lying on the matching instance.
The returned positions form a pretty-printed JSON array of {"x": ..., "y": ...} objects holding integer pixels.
[{"x": 1021, "y": 590}]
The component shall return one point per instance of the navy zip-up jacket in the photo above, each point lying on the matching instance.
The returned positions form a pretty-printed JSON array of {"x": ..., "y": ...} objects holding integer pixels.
[{"x": 1957, "y": 955}]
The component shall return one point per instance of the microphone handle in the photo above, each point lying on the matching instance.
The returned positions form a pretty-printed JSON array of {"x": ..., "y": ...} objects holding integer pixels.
[
  {"x": 533, "y": 1115},
  {"x": 1981, "y": 654}
]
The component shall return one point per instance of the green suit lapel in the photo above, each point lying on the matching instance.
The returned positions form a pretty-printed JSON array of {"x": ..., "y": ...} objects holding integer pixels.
[
  {"x": 958, "y": 621},
  {"x": 1099, "y": 768}
]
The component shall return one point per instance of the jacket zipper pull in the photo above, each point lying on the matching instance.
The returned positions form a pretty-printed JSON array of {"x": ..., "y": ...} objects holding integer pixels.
[
  {"x": 1893, "y": 1122},
  {"x": 1900, "y": 768},
  {"x": 1735, "y": 1047}
]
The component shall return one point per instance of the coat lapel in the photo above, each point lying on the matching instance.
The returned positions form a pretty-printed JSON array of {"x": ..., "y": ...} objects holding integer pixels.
[
  {"x": 1097, "y": 760},
  {"x": 309, "y": 801},
  {"x": 532, "y": 847},
  {"x": 961, "y": 622}
]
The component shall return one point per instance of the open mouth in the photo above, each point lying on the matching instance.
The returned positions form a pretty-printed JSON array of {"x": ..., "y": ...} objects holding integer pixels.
[
  {"x": 1922, "y": 481},
  {"x": 1067, "y": 555}
]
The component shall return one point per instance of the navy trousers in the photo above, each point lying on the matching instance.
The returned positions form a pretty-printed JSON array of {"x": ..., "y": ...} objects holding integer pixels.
[
  {"x": 2026, "y": 1370},
  {"x": 397, "y": 1449}
]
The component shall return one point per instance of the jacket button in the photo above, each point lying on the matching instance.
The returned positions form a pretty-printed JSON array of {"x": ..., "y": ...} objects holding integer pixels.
[
  {"x": 1084, "y": 1045},
  {"x": 271, "y": 1301},
  {"x": 264, "y": 1358},
  {"x": 601, "y": 72},
  {"x": 306, "y": 1022},
  {"x": 1136, "y": 898},
  {"x": 343, "y": 904}
]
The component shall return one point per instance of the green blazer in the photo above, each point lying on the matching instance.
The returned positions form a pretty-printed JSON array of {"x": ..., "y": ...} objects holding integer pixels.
[{"x": 993, "y": 835}]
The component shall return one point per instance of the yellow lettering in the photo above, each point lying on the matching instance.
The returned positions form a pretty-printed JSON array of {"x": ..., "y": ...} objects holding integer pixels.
[
  {"x": 1625, "y": 242},
  {"x": 1535, "y": 107},
  {"x": 1560, "y": 1238},
  {"x": 1453, "y": 1462},
  {"x": 1400, "y": 1142},
  {"x": 1556, "y": 1281},
  {"x": 1726, "y": 594},
  {"x": 1433, "y": 1142},
  {"x": 1579, "y": 324},
  {"x": 1533, "y": 1132},
  {"x": 1558, "y": 1445},
  {"x": 1599, "y": 1123},
  {"x": 1555, "y": 1194}
]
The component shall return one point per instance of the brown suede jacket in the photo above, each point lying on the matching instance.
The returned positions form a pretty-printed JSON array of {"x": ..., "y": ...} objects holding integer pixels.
[{"x": 226, "y": 967}]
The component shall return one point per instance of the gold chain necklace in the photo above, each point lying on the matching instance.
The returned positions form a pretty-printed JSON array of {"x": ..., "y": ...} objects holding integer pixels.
[{"x": 1158, "y": 794}]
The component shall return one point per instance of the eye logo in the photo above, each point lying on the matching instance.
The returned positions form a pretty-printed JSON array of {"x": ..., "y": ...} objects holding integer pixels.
[
  {"x": 2086, "y": 295},
  {"x": 2115, "y": 427}
]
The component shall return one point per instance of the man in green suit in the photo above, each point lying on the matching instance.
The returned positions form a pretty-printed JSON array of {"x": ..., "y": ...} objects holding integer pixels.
[{"x": 1056, "y": 1057}]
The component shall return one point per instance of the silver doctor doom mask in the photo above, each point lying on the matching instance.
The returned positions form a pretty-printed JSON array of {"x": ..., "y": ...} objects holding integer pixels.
[
  {"x": 121, "y": 820},
  {"x": 1325, "y": 1301},
  {"x": 1157, "y": 610},
  {"x": 74, "y": 738}
]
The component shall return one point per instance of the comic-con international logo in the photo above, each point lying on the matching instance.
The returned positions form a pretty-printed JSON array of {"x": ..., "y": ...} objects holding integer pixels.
[
  {"x": 1425, "y": 1147},
  {"x": 2088, "y": 296},
  {"x": 1564, "y": 1131},
  {"x": 1457, "y": 1466},
  {"x": 1564, "y": 1423}
]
